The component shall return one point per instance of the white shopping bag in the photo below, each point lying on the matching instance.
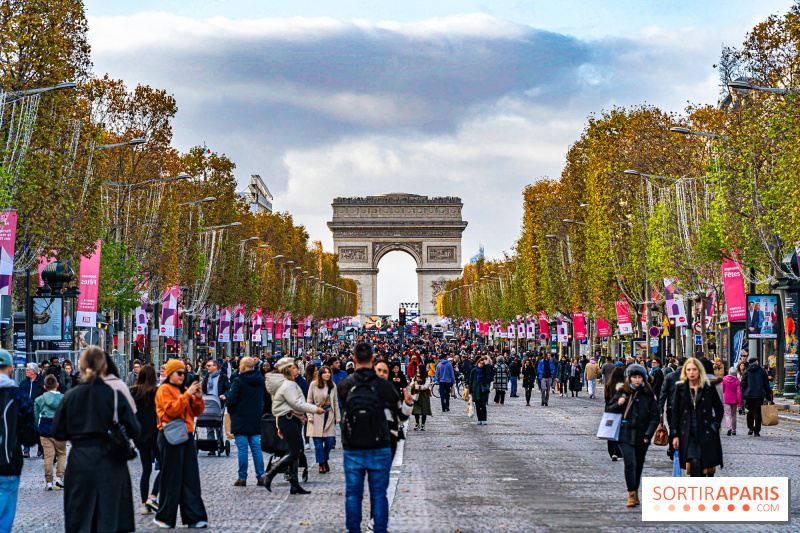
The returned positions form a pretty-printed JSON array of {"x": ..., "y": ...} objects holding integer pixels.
[
  {"x": 609, "y": 426},
  {"x": 471, "y": 408}
]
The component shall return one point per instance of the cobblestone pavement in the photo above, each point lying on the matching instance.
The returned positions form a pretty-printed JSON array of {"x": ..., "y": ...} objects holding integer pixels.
[{"x": 530, "y": 469}]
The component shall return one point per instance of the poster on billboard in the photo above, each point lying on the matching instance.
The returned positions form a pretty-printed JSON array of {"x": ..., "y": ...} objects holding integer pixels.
[
  {"x": 48, "y": 319},
  {"x": 762, "y": 316},
  {"x": 790, "y": 323}
]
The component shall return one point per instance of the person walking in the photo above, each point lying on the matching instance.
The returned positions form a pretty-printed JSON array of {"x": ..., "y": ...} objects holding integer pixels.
[
  {"x": 696, "y": 419},
  {"x": 421, "y": 392},
  {"x": 528, "y": 380},
  {"x": 575, "y": 377},
  {"x": 245, "y": 401},
  {"x": 478, "y": 387},
  {"x": 513, "y": 376},
  {"x": 33, "y": 387},
  {"x": 500, "y": 381},
  {"x": 634, "y": 399},
  {"x": 18, "y": 412},
  {"x": 592, "y": 374},
  {"x": 144, "y": 395},
  {"x": 288, "y": 407},
  {"x": 130, "y": 381},
  {"x": 44, "y": 409},
  {"x": 67, "y": 378},
  {"x": 547, "y": 371},
  {"x": 97, "y": 485},
  {"x": 719, "y": 375},
  {"x": 180, "y": 474},
  {"x": 366, "y": 440},
  {"x": 607, "y": 369},
  {"x": 395, "y": 418},
  {"x": 732, "y": 398},
  {"x": 610, "y": 388},
  {"x": 398, "y": 379},
  {"x": 562, "y": 375},
  {"x": 322, "y": 428},
  {"x": 755, "y": 387},
  {"x": 216, "y": 383},
  {"x": 656, "y": 376},
  {"x": 445, "y": 377}
]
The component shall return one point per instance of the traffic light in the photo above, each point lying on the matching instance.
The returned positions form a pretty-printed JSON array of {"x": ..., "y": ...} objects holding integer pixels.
[
  {"x": 197, "y": 336},
  {"x": 402, "y": 314},
  {"x": 170, "y": 348},
  {"x": 672, "y": 327},
  {"x": 6, "y": 333}
]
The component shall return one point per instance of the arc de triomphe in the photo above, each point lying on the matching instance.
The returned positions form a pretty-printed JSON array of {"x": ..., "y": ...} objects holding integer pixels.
[{"x": 428, "y": 229}]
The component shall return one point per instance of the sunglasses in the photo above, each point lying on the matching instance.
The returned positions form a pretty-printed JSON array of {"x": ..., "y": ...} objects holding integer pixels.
[{"x": 180, "y": 372}]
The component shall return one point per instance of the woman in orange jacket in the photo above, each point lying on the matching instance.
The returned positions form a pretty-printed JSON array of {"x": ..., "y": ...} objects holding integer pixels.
[{"x": 180, "y": 476}]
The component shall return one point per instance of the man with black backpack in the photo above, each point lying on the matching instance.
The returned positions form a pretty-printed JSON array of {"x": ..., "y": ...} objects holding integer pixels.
[
  {"x": 366, "y": 439},
  {"x": 16, "y": 428}
]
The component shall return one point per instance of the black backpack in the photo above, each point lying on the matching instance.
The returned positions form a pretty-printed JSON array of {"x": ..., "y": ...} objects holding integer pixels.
[
  {"x": 364, "y": 425},
  {"x": 9, "y": 415}
]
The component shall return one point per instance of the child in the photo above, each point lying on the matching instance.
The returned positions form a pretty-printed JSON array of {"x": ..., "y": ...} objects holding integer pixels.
[
  {"x": 44, "y": 409},
  {"x": 731, "y": 397}
]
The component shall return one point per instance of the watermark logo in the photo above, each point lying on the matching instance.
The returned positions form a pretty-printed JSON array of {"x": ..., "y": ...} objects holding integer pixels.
[{"x": 734, "y": 500}]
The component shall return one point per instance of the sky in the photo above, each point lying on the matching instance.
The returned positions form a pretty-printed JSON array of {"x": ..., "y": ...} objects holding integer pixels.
[{"x": 450, "y": 98}]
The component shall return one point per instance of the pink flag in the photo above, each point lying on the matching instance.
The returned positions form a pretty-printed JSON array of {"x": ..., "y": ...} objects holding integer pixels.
[
  {"x": 278, "y": 329},
  {"x": 300, "y": 328},
  {"x": 624, "y": 317},
  {"x": 603, "y": 328},
  {"x": 255, "y": 323},
  {"x": 169, "y": 312},
  {"x": 579, "y": 324},
  {"x": 268, "y": 323},
  {"x": 86, "y": 315},
  {"x": 8, "y": 236},
  {"x": 238, "y": 323},
  {"x": 224, "y": 333},
  {"x": 544, "y": 327},
  {"x": 733, "y": 283},
  {"x": 644, "y": 318}
]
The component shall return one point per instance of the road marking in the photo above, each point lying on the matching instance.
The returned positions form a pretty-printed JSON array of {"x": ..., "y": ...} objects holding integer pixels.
[
  {"x": 397, "y": 462},
  {"x": 272, "y": 514}
]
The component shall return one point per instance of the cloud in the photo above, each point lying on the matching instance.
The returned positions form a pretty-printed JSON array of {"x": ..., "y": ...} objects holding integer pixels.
[{"x": 465, "y": 105}]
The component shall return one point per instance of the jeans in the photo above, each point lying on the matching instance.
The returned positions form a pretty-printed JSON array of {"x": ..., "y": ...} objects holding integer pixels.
[
  {"x": 322, "y": 448},
  {"x": 9, "y": 485},
  {"x": 546, "y": 384},
  {"x": 444, "y": 395},
  {"x": 480, "y": 410},
  {"x": 634, "y": 463},
  {"x": 254, "y": 442},
  {"x": 376, "y": 465},
  {"x": 513, "y": 386},
  {"x": 730, "y": 415},
  {"x": 528, "y": 391},
  {"x": 592, "y": 386},
  {"x": 754, "y": 413}
]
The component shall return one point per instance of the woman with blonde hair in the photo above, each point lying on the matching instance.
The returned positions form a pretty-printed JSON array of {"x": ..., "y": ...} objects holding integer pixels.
[
  {"x": 695, "y": 421},
  {"x": 97, "y": 485}
]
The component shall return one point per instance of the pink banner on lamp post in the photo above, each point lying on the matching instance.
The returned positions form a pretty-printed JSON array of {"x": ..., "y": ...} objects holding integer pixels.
[
  {"x": 8, "y": 236},
  {"x": 89, "y": 279},
  {"x": 544, "y": 327},
  {"x": 603, "y": 328},
  {"x": 579, "y": 324},
  {"x": 733, "y": 282},
  {"x": 624, "y": 317}
]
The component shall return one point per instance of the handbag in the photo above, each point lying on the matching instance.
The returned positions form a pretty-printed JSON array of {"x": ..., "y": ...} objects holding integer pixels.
[
  {"x": 661, "y": 436},
  {"x": 176, "y": 431},
  {"x": 120, "y": 446},
  {"x": 769, "y": 415}
]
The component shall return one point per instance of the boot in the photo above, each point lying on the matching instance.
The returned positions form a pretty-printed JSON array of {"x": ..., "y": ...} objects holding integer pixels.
[
  {"x": 631, "y": 499},
  {"x": 285, "y": 461},
  {"x": 296, "y": 488},
  {"x": 636, "y": 497}
]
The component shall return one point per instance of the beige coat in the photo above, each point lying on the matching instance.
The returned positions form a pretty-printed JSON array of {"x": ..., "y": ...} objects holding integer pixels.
[
  {"x": 321, "y": 398},
  {"x": 592, "y": 371}
]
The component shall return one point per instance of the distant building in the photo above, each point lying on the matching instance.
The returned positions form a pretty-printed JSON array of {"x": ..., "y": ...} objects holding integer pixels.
[
  {"x": 474, "y": 259},
  {"x": 257, "y": 195}
]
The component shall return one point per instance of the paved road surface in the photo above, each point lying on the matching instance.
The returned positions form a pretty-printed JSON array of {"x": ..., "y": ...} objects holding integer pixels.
[{"x": 531, "y": 469}]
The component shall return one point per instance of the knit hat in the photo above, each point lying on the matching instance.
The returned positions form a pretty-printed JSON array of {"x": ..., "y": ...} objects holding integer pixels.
[
  {"x": 5, "y": 358},
  {"x": 284, "y": 362},
  {"x": 635, "y": 370},
  {"x": 619, "y": 364},
  {"x": 173, "y": 365}
]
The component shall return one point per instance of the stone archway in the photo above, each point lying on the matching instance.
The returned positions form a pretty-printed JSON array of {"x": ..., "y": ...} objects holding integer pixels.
[{"x": 428, "y": 229}]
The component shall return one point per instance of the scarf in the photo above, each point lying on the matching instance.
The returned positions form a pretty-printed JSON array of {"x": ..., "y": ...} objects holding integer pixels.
[
  {"x": 654, "y": 369},
  {"x": 213, "y": 379}
]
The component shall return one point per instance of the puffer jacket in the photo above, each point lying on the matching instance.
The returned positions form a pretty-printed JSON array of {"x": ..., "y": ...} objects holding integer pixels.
[
  {"x": 45, "y": 405},
  {"x": 732, "y": 390},
  {"x": 286, "y": 396}
]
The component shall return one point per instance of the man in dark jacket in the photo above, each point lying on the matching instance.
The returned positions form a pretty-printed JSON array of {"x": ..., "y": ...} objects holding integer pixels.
[
  {"x": 245, "y": 405},
  {"x": 755, "y": 387},
  {"x": 13, "y": 400},
  {"x": 33, "y": 387},
  {"x": 668, "y": 389},
  {"x": 656, "y": 376},
  {"x": 513, "y": 375},
  {"x": 364, "y": 451}
]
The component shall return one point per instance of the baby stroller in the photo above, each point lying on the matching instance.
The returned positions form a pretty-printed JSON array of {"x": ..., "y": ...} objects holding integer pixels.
[
  {"x": 272, "y": 444},
  {"x": 212, "y": 417}
]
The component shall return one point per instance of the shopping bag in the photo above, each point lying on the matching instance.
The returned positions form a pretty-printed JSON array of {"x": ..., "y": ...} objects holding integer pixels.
[
  {"x": 465, "y": 395},
  {"x": 228, "y": 433},
  {"x": 471, "y": 409},
  {"x": 676, "y": 465},
  {"x": 769, "y": 415},
  {"x": 609, "y": 426}
]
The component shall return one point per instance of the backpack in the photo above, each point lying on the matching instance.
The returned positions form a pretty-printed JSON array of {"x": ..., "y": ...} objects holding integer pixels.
[
  {"x": 364, "y": 425},
  {"x": 9, "y": 415}
]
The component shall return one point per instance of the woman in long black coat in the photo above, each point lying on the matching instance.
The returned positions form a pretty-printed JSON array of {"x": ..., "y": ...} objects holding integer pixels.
[
  {"x": 695, "y": 421},
  {"x": 97, "y": 486},
  {"x": 528, "y": 379},
  {"x": 575, "y": 374}
]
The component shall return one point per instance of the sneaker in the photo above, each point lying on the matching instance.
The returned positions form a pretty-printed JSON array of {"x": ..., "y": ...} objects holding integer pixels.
[
  {"x": 162, "y": 525},
  {"x": 59, "y": 483},
  {"x": 152, "y": 505},
  {"x": 240, "y": 483},
  {"x": 146, "y": 510},
  {"x": 422, "y": 428},
  {"x": 614, "y": 457},
  {"x": 756, "y": 434},
  {"x": 48, "y": 486},
  {"x": 200, "y": 525},
  {"x": 750, "y": 432}
]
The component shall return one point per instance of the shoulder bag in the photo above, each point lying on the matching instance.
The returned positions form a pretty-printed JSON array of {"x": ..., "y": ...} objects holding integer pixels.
[{"x": 120, "y": 446}]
